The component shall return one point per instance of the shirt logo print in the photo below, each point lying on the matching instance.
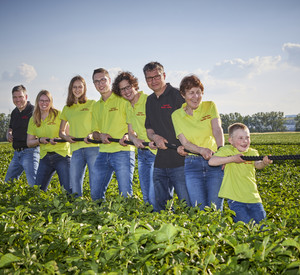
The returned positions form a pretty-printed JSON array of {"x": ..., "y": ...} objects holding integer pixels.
[
  {"x": 205, "y": 117},
  {"x": 166, "y": 106},
  {"x": 113, "y": 109},
  {"x": 25, "y": 117},
  {"x": 140, "y": 114},
  {"x": 84, "y": 109}
]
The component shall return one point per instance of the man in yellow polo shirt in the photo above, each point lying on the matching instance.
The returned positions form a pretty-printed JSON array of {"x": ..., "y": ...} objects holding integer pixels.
[{"x": 109, "y": 121}]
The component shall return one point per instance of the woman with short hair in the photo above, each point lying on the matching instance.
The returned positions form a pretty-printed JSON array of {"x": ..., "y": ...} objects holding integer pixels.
[{"x": 198, "y": 126}]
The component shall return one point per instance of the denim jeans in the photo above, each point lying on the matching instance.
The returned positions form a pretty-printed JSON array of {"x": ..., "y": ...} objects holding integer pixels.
[
  {"x": 26, "y": 160},
  {"x": 80, "y": 158},
  {"x": 122, "y": 163},
  {"x": 247, "y": 211},
  {"x": 48, "y": 165},
  {"x": 145, "y": 167},
  {"x": 203, "y": 182},
  {"x": 165, "y": 181}
]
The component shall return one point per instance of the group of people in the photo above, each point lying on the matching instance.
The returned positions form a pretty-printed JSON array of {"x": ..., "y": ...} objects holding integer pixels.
[{"x": 185, "y": 149}]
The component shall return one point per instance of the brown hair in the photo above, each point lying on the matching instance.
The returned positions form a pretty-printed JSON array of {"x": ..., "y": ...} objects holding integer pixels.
[
  {"x": 132, "y": 80},
  {"x": 71, "y": 97},
  {"x": 37, "y": 112},
  {"x": 20, "y": 88},
  {"x": 190, "y": 82},
  {"x": 100, "y": 70},
  {"x": 236, "y": 126}
]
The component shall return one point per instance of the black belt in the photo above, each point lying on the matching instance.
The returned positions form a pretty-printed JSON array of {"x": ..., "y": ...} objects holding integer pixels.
[{"x": 21, "y": 149}]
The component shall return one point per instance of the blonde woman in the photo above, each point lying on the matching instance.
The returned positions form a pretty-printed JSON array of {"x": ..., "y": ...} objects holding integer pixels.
[
  {"x": 43, "y": 127},
  {"x": 78, "y": 115}
]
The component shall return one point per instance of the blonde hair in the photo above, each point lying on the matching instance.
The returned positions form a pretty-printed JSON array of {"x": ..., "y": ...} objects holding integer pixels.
[
  {"x": 235, "y": 126},
  {"x": 37, "y": 112}
]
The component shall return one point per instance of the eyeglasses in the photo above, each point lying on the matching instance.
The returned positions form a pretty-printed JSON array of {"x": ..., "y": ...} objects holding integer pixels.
[
  {"x": 102, "y": 80},
  {"x": 44, "y": 101},
  {"x": 127, "y": 88},
  {"x": 156, "y": 77}
]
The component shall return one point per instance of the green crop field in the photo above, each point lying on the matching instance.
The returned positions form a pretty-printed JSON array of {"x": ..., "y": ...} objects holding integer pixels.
[{"x": 51, "y": 233}]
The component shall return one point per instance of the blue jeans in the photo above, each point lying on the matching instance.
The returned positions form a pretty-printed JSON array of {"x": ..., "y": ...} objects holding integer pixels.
[
  {"x": 80, "y": 158},
  {"x": 48, "y": 165},
  {"x": 122, "y": 163},
  {"x": 165, "y": 181},
  {"x": 145, "y": 167},
  {"x": 203, "y": 182},
  {"x": 26, "y": 160},
  {"x": 247, "y": 211}
]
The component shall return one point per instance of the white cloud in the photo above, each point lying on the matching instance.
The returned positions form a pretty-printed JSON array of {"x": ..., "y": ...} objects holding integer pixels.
[
  {"x": 53, "y": 78},
  {"x": 239, "y": 68},
  {"x": 24, "y": 73},
  {"x": 174, "y": 77},
  {"x": 259, "y": 84},
  {"x": 293, "y": 53}
]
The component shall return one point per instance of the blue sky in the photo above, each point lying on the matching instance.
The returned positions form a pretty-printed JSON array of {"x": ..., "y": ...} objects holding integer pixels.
[{"x": 247, "y": 53}]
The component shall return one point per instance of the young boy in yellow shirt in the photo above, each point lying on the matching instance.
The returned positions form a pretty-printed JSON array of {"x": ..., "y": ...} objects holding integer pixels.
[{"x": 239, "y": 183}]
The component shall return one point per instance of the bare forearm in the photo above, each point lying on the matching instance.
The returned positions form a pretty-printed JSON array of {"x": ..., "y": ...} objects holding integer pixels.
[
  {"x": 131, "y": 134},
  {"x": 63, "y": 135},
  {"x": 32, "y": 141},
  {"x": 62, "y": 130},
  {"x": 9, "y": 135},
  {"x": 219, "y": 137},
  {"x": 150, "y": 134},
  {"x": 192, "y": 147},
  {"x": 217, "y": 161},
  {"x": 218, "y": 132}
]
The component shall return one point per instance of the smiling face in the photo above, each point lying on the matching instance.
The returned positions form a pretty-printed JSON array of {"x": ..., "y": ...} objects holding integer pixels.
[
  {"x": 44, "y": 103},
  {"x": 240, "y": 139},
  {"x": 102, "y": 84},
  {"x": 78, "y": 89},
  {"x": 193, "y": 97},
  {"x": 127, "y": 91},
  {"x": 20, "y": 100},
  {"x": 156, "y": 81}
]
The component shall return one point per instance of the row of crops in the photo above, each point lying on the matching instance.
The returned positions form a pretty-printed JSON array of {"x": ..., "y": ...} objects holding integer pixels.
[{"x": 52, "y": 233}]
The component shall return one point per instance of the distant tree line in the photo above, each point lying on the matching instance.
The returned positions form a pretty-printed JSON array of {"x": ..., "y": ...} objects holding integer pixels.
[
  {"x": 297, "y": 119},
  {"x": 259, "y": 122},
  {"x": 4, "y": 123}
]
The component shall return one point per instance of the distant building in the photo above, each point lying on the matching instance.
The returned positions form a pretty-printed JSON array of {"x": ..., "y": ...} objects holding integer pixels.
[{"x": 290, "y": 122}]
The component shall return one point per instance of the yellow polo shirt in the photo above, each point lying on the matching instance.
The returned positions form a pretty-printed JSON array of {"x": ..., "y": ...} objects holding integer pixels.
[
  {"x": 50, "y": 129},
  {"x": 136, "y": 116},
  {"x": 239, "y": 183},
  {"x": 197, "y": 128},
  {"x": 79, "y": 117},
  {"x": 109, "y": 117}
]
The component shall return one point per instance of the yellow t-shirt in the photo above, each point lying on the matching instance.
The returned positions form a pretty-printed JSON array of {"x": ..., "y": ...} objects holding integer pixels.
[
  {"x": 239, "y": 183},
  {"x": 79, "y": 117},
  {"x": 197, "y": 128},
  {"x": 109, "y": 117},
  {"x": 49, "y": 128},
  {"x": 136, "y": 116}
]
